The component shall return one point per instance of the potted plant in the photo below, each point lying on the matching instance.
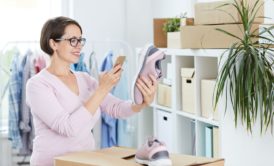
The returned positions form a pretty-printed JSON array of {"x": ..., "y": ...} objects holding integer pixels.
[
  {"x": 172, "y": 29},
  {"x": 246, "y": 76}
]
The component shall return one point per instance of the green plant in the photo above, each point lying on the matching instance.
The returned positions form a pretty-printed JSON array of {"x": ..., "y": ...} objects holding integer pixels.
[
  {"x": 247, "y": 76},
  {"x": 173, "y": 24}
]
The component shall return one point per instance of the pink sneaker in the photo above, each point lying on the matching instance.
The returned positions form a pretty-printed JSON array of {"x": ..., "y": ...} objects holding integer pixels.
[
  {"x": 153, "y": 153},
  {"x": 149, "y": 63}
]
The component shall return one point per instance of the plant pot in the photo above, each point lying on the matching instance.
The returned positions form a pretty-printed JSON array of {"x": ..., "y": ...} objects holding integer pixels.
[{"x": 174, "y": 40}]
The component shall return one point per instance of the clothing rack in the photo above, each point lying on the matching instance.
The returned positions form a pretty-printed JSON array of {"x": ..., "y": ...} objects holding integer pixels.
[
  {"x": 2, "y": 51},
  {"x": 22, "y": 46}
]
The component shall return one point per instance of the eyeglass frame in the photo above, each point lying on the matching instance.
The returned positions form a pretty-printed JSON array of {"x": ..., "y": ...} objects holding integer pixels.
[{"x": 70, "y": 41}]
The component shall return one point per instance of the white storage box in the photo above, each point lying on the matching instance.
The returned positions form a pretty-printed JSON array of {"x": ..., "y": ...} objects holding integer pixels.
[
  {"x": 164, "y": 128},
  {"x": 188, "y": 89},
  {"x": 164, "y": 95},
  {"x": 207, "y": 90}
]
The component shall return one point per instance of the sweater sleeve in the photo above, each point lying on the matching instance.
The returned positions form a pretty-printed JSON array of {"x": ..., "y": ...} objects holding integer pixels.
[
  {"x": 45, "y": 105},
  {"x": 112, "y": 105},
  {"x": 116, "y": 107}
]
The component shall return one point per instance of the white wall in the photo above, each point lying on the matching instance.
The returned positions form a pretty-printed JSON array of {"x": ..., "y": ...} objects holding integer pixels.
[
  {"x": 240, "y": 148},
  {"x": 172, "y": 8},
  {"x": 102, "y": 19},
  {"x": 139, "y": 29}
]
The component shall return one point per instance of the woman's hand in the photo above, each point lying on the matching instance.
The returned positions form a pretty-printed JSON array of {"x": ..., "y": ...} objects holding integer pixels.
[
  {"x": 148, "y": 89},
  {"x": 109, "y": 79}
]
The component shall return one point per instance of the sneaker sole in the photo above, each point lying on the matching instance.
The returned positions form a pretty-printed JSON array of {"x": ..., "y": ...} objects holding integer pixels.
[
  {"x": 160, "y": 162},
  {"x": 140, "y": 68}
]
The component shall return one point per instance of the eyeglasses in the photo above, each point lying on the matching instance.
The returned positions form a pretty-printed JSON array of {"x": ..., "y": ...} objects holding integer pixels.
[{"x": 74, "y": 41}]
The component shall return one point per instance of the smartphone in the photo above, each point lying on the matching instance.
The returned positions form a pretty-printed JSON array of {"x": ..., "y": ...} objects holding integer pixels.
[{"x": 120, "y": 60}]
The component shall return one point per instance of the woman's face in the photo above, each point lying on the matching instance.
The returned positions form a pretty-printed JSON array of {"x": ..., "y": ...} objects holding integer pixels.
[{"x": 65, "y": 50}]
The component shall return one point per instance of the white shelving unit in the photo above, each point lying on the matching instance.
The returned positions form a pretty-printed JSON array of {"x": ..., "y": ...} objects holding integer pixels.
[{"x": 183, "y": 132}]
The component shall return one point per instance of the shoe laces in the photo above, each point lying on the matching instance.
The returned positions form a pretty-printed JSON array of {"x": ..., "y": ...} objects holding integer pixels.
[
  {"x": 154, "y": 141},
  {"x": 158, "y": 67}
]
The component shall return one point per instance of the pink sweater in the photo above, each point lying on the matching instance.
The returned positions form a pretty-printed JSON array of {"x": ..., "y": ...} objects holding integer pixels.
[{"x": 62, "y": 124}]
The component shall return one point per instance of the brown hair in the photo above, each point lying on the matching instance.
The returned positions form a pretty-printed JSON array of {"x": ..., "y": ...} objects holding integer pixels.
[{"x": 53, "y": 29}]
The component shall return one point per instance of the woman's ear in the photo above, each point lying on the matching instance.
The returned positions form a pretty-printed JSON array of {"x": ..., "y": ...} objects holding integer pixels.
[{"x": 53, "y": 44}]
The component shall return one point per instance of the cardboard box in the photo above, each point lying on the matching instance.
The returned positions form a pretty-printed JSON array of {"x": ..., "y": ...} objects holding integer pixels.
[
  {"x": 207, "y": 90},
  {"x": 174, "y": 40},
  {"x": 125, "y": 156},
  {"x": 160, "y": 37},
  {"x": 209, "y": 13},
  {"x": 188, "y": 90},
  {"x": 206, "y": 36},
  {"x": 164, "y": 95}
]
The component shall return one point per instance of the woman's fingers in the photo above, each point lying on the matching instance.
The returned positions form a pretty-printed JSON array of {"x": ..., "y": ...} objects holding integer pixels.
[
  {"x": 153, "y": 79},
  {"x": 116, "y": 69},
  {"x": 146, "y": 85},
  {"x": 147, "y": 82}
]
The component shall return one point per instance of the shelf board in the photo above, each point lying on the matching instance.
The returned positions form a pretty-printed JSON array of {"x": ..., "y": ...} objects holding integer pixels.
[
  {"x": 209, "y": 121},
  {"x": 194, "y": 52},
  {"x": 185, "y": 114},
  {"x": 195, "y": 117},
  {"x": 161, "y": 107}
]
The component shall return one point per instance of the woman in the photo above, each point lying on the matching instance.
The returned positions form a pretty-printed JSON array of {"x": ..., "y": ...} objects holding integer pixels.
[{"x": 66, "y": 105}]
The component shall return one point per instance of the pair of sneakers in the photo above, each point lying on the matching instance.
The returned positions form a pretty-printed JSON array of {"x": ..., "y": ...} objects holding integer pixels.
[
  {"x": 153, "y": 153},
  {"x": 150, "y": 59}
]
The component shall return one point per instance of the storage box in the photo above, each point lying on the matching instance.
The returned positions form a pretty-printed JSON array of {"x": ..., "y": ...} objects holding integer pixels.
[
  {"x": 174, "y": 40},
  {"x": 206, "y": 36},
  {"x": 209, "y": 13},
  {"x": 121, "y": 156},
  {"x": 207, "y": 90},
  {"x": 164, "y": 128},
  {"x": 188, "y": 90},
  {"x": 160, "y": 37},
  {"x": 164, "y": 95}
]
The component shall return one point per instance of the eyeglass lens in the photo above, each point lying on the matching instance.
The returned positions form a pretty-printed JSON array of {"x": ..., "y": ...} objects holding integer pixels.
[{"x": 75, "y": 41}]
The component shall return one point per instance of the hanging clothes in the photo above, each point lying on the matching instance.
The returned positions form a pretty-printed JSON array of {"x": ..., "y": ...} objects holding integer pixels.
[
  {"x": 6, "y": 59},
  {"x": 109, "y": 124},
  {"x": 39, "y": 63},
  {"x": 125, "y": 127},
  {"x": 80, "y": 65},
  {"x": 21, "y": 131},
  {"x": 25, "y": 117},
  {"x": 15, "y": 85},
  {"x": 93, "y": 66}
]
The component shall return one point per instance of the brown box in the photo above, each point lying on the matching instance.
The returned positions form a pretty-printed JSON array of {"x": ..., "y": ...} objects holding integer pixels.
[
  {"x": 164, "y": 95},
  {"x": 206, "y": 13},
  {"x": 188, "y": 89},
  {"x": 119, "y": 156},
  {"x": 160, "y": 37},
  {"x": 206, "y": 36}
]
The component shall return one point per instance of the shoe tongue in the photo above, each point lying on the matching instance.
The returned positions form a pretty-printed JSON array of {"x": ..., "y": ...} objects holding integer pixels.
[
  {"x": 159, "y": 68},
  {"x": 154, "y": 142},
  {"x": 152, "y": 51}
]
